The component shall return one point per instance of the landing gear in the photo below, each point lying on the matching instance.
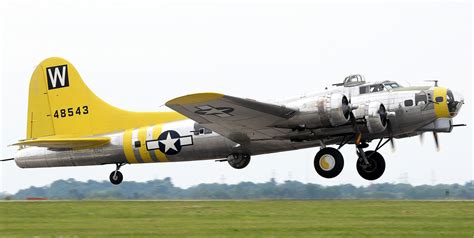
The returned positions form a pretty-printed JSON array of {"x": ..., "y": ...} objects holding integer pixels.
[
  {"x": 238, "y": 161},
  {"x": 371, "y": 164},
  {"x": 116, "y": 176},
  {"x": 329, "y": 162},
  {"x": 372, "y": 167}
]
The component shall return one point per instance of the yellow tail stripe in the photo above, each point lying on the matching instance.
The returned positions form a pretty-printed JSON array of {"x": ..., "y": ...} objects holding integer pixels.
[
  {"x": 156, "y": 132},
  {"x": 127, "y": 147},
  {"x": 143, "y": 152}
]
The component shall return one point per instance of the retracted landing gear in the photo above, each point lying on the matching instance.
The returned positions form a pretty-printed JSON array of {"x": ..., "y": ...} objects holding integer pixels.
[
  {"x": 116, "y": 176},
  {"x": 328, "y": 162}
]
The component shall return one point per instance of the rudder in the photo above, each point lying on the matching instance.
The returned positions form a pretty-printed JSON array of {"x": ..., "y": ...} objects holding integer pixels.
[{"x": 60, "y": 104}]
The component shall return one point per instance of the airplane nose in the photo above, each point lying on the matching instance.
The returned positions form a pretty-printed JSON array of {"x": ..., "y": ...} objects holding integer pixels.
[{"x": 454, "y": 100}]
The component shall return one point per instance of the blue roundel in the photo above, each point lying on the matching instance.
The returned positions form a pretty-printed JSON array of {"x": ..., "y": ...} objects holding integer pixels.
[{"x": 169, "y": 142}]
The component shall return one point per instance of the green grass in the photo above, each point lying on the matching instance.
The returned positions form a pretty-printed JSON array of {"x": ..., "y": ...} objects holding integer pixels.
[{"x": 285, "y": 218}]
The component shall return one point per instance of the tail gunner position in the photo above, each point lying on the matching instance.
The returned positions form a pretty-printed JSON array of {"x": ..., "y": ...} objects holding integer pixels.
[{"x": 68, "y": 125}]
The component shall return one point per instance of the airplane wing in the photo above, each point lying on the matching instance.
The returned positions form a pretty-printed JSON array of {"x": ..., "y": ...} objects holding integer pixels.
[
  {"x": 61, "y": 143},
  {"x": 235, "y": 118}
]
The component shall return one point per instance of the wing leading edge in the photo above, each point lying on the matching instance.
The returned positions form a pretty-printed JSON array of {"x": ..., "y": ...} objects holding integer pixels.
[{"x": 235, "y": 118}]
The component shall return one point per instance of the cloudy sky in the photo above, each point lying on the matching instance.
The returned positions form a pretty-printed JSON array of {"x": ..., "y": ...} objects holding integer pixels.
[{"x": 138, "y": 54}]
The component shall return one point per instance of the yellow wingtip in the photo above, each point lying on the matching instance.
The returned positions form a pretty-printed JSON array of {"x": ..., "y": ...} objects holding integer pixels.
[{"x": 194, "y": 98}]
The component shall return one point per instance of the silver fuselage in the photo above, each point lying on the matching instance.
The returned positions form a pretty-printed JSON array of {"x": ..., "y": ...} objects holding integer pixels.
[{"x": 205, "y": 144}]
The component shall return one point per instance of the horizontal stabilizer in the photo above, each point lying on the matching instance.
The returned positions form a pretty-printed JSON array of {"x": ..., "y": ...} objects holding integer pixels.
[{"x": 59, "y": 143}]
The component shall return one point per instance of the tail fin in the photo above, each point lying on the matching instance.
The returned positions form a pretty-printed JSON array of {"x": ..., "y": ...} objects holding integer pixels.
[{"x": 60, "y": 104}]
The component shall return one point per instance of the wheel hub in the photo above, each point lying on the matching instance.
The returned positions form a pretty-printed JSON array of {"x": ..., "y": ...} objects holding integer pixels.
[
  {"x": 327, "y": 162},
  {"x": 370, "y": 167}
]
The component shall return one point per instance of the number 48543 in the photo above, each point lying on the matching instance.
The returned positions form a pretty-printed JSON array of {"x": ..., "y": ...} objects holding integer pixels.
[{"x": 70, "y": 112}]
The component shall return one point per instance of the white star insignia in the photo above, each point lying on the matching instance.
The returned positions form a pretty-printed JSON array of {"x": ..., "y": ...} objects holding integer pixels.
[{"x": 169, "y": 143}]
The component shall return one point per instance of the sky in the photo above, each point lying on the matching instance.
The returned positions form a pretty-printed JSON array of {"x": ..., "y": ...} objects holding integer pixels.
[{"x": 137, "y": 55}]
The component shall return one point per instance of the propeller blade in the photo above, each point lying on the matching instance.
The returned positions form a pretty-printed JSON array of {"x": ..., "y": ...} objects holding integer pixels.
[
  {"x": 354, "y": 122},
  {"x": 421, "y": 139},
  {"x": 358, "y": 136},
  {"x": 390, "y": 132},
  {"x": 392, "y": 144},
  {"x": 435, "y": 135}
]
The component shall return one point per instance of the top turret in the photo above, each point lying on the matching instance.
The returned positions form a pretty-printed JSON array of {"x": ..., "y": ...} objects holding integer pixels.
[{"x": 352, "y": 80}]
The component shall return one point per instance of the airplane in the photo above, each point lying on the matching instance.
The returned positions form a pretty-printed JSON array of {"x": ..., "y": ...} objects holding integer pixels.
[{"x": 68, "y": 125}]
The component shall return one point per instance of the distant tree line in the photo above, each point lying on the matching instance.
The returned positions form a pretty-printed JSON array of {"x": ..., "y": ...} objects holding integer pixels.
[{"x": 164, "y": 189}]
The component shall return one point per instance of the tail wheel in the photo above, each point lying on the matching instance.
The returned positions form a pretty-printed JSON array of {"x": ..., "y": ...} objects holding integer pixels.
[
  {"x": 329, "y": 162},
  {"x": 375, "y": 167}
]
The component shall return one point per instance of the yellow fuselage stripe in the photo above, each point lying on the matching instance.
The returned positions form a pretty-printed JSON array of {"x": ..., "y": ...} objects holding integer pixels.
[
  {"x": 156, "y": 132},
  {"x": 127, "y": 146},
  {"x": 143, "y": 152},
  {"x": 441, "y": 108}
]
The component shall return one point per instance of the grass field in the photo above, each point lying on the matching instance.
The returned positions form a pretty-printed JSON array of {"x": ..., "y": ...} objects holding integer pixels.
[{"x": 285, "y": 218}]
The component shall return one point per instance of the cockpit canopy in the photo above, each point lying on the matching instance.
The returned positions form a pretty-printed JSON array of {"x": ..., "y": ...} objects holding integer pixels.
[
  {"x": 378, "y": 87},
  {"x": 357, "y": 80}
]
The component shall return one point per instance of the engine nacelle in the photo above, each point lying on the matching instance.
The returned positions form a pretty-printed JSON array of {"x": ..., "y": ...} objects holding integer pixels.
[
  {"x": 320, "y": 111},
  {"x": 337, "y": 108},
  {"x": 376, "y": 117}
]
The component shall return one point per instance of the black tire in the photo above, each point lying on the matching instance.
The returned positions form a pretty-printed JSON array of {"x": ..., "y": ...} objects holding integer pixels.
[
  {"x": 333, "y": 167},
  {"x": 375, "y": 168},
  {"x": 239, "y": 161},
  {"x": 116, "y": 177}
]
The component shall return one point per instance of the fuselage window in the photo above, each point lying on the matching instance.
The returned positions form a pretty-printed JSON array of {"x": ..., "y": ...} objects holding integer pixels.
[
  {"x": 439, "y": 99},
  {"x": 420, "y": 99},
  {"x": 408, "y": 103},
  {"x": 363, "y": 90},
  {"x": 200, "y": 130},
  {"x": 137, "y": 144}
]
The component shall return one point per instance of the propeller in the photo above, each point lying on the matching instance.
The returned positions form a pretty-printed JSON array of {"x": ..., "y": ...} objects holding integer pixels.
[
  {"x": 346, "y": 107},
  {"x": 356, "y": 128},
  {"x": 390, "y": 133},
  {"x": 436, "y": 139},
  {"x": 386, "y": 121},
  {"x": 435, "y": 135},
  {"x": 383, "y": 114},
  {"x": 351, "y": 107}
]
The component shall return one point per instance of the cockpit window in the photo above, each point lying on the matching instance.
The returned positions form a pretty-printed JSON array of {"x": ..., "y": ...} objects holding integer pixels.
[
  {"x": 376, "y": 88},
  {"x": 391, "y": 85}
]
